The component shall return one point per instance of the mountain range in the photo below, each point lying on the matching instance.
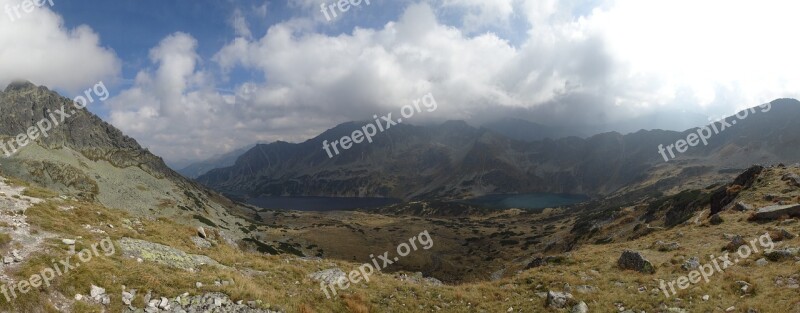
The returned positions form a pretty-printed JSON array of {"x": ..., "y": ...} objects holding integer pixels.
[{"x": 456, "y": 160}]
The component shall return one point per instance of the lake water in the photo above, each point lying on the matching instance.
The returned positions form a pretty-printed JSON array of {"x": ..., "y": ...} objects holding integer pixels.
[
  {"x": 521, "y": 201},
  {"x": 319, "y": 203},
  {"x": 526, "y": 201}
]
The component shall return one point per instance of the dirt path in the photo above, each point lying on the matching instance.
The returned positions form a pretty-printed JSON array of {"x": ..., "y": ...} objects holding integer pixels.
[{"x": 14, "y": 223}]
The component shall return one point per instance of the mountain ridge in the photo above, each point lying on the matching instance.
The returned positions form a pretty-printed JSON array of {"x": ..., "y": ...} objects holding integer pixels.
[{"x": 454, "y": 160}]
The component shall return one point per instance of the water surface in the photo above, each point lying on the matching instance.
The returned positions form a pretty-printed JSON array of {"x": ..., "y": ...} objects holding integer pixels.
[
  {"x": 526, "y": 201},
  {"x": 319, "y": 203}
]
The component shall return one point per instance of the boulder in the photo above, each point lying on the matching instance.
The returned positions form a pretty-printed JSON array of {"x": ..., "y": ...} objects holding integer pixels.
[
  {"x": 741, "y": 206},
  {"x": 558, "y": 300},
  {"x": 780, "y": 234},
  {"x": 736, "y": 242},
  {"x": 201, "y": 232},
  {"x": 774, "y": 212},
  {"x": 716, "y": 219},
  {"x": 781, "y": 254},
  {"x": 127, "y": 297},
  {"x": 792, "y": 179},
  {"x": 632, "y": 260},
  {"x": 329, "y": 276},
  {"x": 691, "y": 264},
  {"x": 580, "y": 308},
  {"x": 665, "y": 246},
  {"x": 95, "y": 292}
]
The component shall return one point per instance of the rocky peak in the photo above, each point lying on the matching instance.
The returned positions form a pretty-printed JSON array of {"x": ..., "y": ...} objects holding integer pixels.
[{"x": 20, "y": 85}]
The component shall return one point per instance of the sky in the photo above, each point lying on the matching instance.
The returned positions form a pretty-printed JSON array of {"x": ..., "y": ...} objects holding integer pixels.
[{"x": 191, "y": 79}]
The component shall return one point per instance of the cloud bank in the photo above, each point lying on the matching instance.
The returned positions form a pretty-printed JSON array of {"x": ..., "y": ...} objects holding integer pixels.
[{"x": 577, "y": 64}]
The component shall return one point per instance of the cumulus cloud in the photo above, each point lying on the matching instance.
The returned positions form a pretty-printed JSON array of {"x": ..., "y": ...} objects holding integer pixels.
[
  {"x": 608, "y": 62},
  {"x": 36, "y": 46}
]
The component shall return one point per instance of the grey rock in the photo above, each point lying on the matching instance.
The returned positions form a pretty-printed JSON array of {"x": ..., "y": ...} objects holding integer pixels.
[
  {"x": 739, "y": 206},
  {"x": 691, "y": 264},
  {"x": 558, "y": 300},
  {"x": 744, "y": 287},
  {"x": 735, "y": 243},
  {"x": 95, "y": 292},
  {"x": 665, "y": 246},
  {"x": 200, "y": 242},
  {"x": 201, "y": 232},
  {"x": 792, "y": 179},
  {"x": 580, "y": 308},
  {"x": 163, "y": 303},
  {"x": 774, "y": 212},
  {"x": 165, "y": 255},
  {"x": 781, "y": 254},
  {"x": 127, "y": 297},
  {"x": 632, "y": 260},
  {"x": 329, "y": 276}
]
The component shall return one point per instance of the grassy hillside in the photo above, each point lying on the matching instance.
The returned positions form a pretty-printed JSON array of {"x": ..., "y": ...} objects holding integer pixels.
[{"x": 35, "y": 222}]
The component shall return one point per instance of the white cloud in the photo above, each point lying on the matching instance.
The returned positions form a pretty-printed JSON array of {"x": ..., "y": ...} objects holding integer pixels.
[
  {"x": 36, "y": 46},
  {"x": 740, "y": 51},
  {"x": 239, "y": 23},
  {"x": 622, "y": 59}
]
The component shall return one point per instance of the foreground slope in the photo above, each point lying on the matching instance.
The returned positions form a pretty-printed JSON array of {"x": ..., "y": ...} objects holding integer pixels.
[{"x": 173, "y": 267}]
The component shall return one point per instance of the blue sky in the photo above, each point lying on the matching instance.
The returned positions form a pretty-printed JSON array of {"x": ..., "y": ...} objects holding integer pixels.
[{"x": 193, "y": 79}]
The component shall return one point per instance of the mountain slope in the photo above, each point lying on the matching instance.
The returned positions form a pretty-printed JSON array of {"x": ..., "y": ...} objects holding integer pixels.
[{"x": 87, "y": 158}]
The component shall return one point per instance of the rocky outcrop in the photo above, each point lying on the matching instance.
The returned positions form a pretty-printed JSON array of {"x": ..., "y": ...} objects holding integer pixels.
[
  {"x": 726, "y": 194},
  {"x": 158, "y": 253},
  {"x": 329, "y": 276}
]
